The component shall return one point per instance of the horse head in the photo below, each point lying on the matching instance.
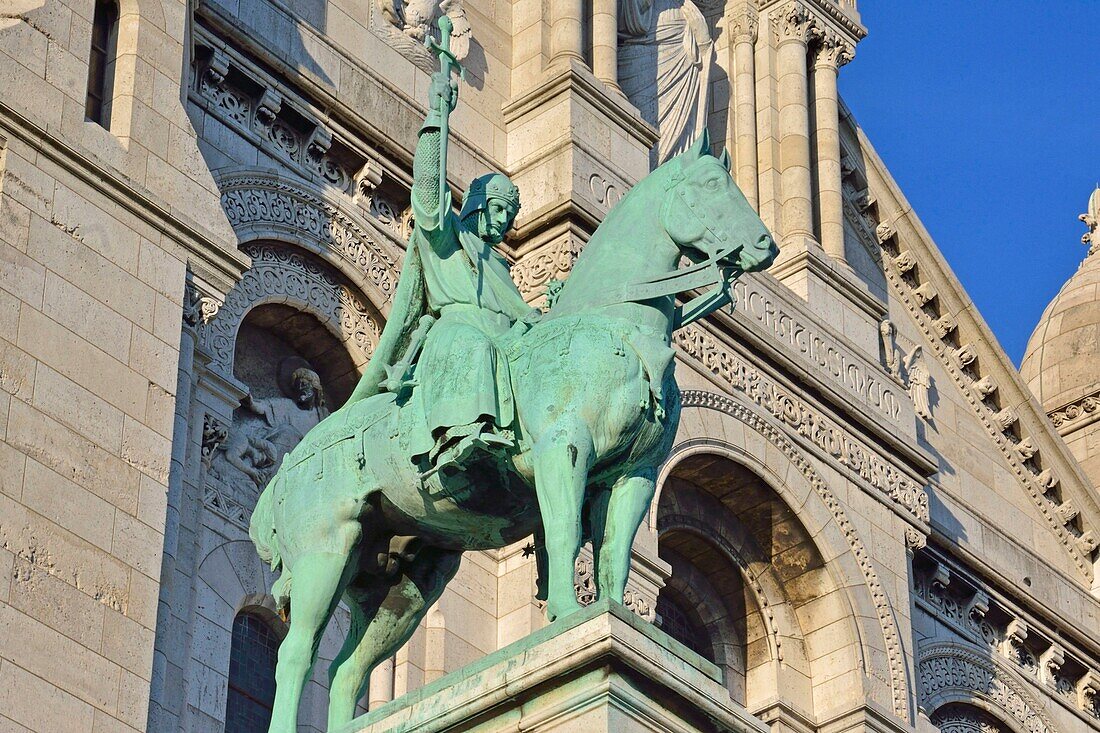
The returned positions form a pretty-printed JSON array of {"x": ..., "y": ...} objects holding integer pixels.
[{"x": 708, "y": 217}]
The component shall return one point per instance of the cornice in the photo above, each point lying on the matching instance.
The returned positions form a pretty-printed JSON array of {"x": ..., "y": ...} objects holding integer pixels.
[
  {"x": 213, "y": 259},
  {"x": 1080, "y": 413},
  {"x": 829, "y": 10},
  {"x": 575, "y": 78},
  {"x": 970, "y": 355}
]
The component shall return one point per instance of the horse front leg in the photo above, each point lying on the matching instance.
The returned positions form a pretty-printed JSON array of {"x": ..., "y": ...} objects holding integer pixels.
[
  {"x": 562, "y": 457},
  {"x": 318, "y": 583},
  {"x": 625, "y": 510}
]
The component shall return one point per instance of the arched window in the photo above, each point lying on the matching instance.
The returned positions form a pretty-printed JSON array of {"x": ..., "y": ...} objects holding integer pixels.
[
  {"x": 101, "y": 63},
  {"x": 682, "y": 624},
  {"x": 252, "y": 660}
]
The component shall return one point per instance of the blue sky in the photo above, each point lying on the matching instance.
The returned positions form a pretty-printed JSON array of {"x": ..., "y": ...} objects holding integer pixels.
[{"x": 988, "y": 115}]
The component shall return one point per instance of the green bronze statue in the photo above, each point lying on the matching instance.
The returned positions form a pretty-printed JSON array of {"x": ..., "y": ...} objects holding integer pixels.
[{"x": 479, "y": 421}]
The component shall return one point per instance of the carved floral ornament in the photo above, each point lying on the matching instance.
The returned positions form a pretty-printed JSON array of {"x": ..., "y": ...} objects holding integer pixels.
[
  {"x": 895, "y": 654},
  {"x": 279, "y": 274},
  {"x": 953, "y": 673}
]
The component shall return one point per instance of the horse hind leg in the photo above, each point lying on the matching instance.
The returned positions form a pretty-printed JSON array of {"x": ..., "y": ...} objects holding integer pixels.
[
  {"x": 319, "y": 581},
  {"x": 384, "y": 617},
  {"x": 625, "y": 510}
]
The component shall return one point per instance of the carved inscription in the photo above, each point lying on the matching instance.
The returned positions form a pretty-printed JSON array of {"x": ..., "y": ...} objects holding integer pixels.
[{"x": 820, "y": 351}]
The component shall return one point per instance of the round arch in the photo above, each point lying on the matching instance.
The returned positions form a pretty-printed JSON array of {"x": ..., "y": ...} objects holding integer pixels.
[
  {"x": 281, "y": 275},
  {"x": 752, "y": 442},
  {"x": 264, "y": 205}
]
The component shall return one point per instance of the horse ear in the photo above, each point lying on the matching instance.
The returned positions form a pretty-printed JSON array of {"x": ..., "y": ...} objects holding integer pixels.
[
  {"x": 702, "y": 145},
  {"x": 724, "y": 159}
]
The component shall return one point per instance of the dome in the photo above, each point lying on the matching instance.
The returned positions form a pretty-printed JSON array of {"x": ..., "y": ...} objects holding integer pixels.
[{"x": 1062, "y": 360}]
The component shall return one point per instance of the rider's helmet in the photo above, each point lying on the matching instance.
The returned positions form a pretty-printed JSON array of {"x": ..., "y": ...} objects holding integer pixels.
[{"x": 490, "y": 186}]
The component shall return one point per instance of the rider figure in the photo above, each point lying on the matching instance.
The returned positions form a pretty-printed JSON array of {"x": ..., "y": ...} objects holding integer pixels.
[{"x": 452, "y": 273}]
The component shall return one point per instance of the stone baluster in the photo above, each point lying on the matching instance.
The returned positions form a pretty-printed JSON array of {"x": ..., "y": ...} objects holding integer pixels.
[
  {"x": 832, "y": 53},
  {"x": 742, "y": 25},
  {"x": 567, "y": 31},
  {"x": 605, "y": 41},
  {"x": 794, "y": 27}
]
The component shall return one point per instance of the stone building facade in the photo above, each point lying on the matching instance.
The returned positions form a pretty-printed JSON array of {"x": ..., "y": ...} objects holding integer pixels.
[{"x": 867, "y": 522}]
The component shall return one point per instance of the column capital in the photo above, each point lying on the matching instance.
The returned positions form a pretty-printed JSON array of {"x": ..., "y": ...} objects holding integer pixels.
[
  {"x": 743, "y": 24},
  {"x": 793, "y": 22},
  {"x": 833, "y": 51}
]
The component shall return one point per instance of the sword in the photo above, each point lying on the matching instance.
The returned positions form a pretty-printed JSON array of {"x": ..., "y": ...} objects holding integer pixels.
[{"x": 448, "y": 64}]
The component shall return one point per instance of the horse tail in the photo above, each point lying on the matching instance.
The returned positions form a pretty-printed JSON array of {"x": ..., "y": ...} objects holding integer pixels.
[{"x": 261, "y": 529}]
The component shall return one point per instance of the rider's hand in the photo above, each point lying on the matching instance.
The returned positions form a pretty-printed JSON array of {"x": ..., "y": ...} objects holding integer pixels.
[
  {"x": 532, "y": 317},
  {"x": 443, "y": 91}
]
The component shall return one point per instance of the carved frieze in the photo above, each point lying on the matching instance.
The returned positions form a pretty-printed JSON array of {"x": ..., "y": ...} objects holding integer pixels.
[
  {"x": 406, "y": 24},
  {"x": 584, "y": 584},
  {"x": 535, "y": 270},
  {"x": 257, "y": 111},
  {"x": 804, "y": 420},
  {"x": 270, "y": 206},
  {"x": 948, "y": 671},
  {"x": 281, "y": 274},
  {"x": 1076, "y": 414}
]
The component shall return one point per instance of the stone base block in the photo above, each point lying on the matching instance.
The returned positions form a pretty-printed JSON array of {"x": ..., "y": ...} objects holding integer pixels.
[{"x": 603, "y": 670}]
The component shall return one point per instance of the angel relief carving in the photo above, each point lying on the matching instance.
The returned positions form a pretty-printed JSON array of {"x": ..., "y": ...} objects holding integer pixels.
[{"x": 405, "y": 24}]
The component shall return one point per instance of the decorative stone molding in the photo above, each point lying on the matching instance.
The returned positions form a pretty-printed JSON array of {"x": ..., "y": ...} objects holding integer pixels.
[
  {"x": 229, "y": 93},
  {"x": 214, "y": 434},
  {"x": 266, "y": 205},
  {"x": 965, "y": 720},
  {"x": 953, "y": 673},
  {"x": 794, "y": 22},
  {"x": 801, "y": 418},
  {"x": 1077, "y": 414},
  {"x": 915, "y": 539},
  {"x": 885, "y": 232},
  {"x": 895, "y": 653},
  {"x": 1005, "y": 419},
  {"x": 584, "y": 585},
  {"x": 833, "y": 51},
  {"x": 966, "y": 354},
  {"x": 997, "y": 628},
  {"x": 279, "y": 274},
  {"x": 924, "y": 294},
  {"x": 743, "y": 24},
  {"x": 979, "y": 388},
  {"x": 944, "y": 326},
  {"x": 538, "y": 268},
  {"x": 1088, "y": 693}
]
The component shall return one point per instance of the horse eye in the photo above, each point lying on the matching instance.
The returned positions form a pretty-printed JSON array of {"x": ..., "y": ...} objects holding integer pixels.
[{"x": 712, "y": 184}]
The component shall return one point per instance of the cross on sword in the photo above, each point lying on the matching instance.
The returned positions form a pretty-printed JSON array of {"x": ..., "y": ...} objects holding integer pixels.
[{"x": 448, "y": 64}]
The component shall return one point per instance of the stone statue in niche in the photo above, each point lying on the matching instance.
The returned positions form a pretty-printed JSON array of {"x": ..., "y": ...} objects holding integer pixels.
[
  {"x": 665, "y": 57},
  {"x": 267, "y": 429}
]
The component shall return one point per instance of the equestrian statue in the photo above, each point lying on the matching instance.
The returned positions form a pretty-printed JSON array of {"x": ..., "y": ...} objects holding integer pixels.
[{"x": 480, "y": 421}]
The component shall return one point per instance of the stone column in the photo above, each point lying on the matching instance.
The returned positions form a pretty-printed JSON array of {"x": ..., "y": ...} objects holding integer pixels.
[
  {"x": 794, "y": 26},
  {"x": 567, "y": 32},
  {"x": 605, "y": 41},
  {"x": 742, "y": 25},
  {"x": 830, "y": 55}
]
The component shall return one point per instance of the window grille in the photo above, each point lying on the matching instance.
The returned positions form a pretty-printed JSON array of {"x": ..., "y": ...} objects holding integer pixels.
[
  {"x": 252, "y": 658},
  {"x": 101, "y": 63}
]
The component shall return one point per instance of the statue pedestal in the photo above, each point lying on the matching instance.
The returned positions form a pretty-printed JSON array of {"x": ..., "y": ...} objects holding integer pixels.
[{"x": 601, "y": 670}]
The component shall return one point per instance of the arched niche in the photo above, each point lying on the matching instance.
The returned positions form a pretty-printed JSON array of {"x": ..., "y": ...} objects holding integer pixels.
[
  {"x": 825, "y": 590},
  {"x": 965, "y": 718},
  {"x": 283, "y": 274}
]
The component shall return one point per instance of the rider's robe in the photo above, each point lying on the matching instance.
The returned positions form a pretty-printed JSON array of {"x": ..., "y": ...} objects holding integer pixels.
[{"x": 452, "y": 274}]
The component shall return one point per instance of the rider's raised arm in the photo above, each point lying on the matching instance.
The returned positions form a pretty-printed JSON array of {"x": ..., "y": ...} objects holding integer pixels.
[{"x": 442, "y": 97}]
